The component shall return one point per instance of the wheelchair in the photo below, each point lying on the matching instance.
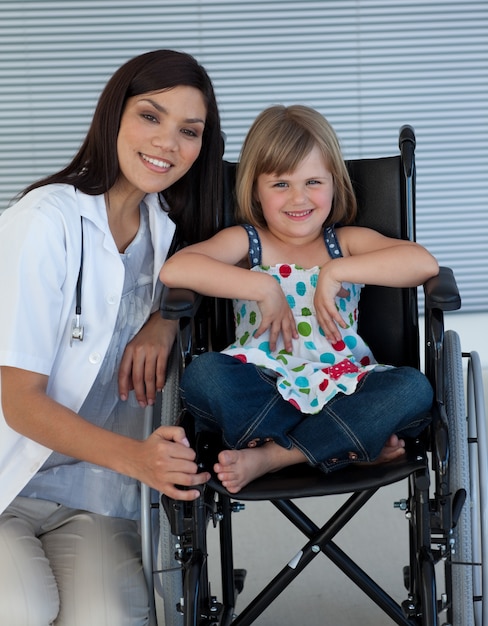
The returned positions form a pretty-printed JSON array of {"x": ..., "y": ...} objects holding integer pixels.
[{"x": 442, "y": 475}]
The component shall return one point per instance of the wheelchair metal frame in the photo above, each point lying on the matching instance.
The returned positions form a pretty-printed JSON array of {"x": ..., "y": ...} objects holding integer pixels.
[
  {"x": 446, "y": 503},
  {"x": 431, "y": 543}
]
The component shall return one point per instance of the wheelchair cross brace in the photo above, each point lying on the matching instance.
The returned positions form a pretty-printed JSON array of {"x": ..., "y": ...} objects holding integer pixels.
[{"x": 201, "y": 608}]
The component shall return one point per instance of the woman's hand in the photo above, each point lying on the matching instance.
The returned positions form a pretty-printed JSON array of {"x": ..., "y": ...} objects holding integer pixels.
[
  {"x": 167, "y": 463},
  {"x": 277, "y": 317},
  {"x": 162, "y": 461},
  {"x": 143, "y": 365}
]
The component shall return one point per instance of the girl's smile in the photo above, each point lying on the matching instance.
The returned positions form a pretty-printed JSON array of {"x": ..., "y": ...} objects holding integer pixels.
[{"x": 299, "y": 215}]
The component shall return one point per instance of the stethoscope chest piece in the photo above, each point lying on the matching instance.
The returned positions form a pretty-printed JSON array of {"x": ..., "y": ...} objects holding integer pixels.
[{"x": 77, "y": 330}]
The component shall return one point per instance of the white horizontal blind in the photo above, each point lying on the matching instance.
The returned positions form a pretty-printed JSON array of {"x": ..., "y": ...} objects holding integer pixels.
[{"x": 369, "y": 65}]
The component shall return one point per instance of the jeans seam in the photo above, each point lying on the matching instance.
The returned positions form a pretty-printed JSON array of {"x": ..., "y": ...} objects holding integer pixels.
[
  {"x": 257, "y": 420},
  {"x": 196, "y": 412},
  {"x": 259, "y": 416},
  {"x": 347, "y": 432}
]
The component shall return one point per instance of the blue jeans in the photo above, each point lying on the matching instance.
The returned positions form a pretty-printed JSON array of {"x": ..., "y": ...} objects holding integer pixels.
[{"x": 241, "y": 401}]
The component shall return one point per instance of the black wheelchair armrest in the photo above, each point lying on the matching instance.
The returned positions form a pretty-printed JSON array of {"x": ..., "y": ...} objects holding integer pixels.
[
  {"x": 177, "y": 303},
  {"x": 441, "y": 291}
]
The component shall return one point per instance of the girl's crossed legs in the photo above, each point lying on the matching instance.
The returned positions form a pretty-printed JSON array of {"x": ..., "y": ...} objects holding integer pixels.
[{"x": 265, "y": 433}]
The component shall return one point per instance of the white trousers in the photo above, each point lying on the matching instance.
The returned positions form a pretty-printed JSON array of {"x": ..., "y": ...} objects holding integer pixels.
[{"x": 63, "y": 567}]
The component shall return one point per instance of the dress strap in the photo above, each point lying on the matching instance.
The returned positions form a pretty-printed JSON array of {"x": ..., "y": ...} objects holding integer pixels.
[
  {"x": 332, "y": 243},
  {"x": 255, "y": 251}
]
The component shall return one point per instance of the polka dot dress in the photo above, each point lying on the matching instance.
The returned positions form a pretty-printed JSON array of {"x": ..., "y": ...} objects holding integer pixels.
[{"x": 316, "y": 370}]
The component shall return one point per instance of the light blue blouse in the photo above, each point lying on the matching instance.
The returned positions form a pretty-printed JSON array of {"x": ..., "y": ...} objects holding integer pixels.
[{"x": 81, "y": 485}]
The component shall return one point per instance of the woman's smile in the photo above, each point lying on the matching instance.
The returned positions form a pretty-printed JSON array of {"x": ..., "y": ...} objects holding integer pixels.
[{"x": 158, "y": 164}]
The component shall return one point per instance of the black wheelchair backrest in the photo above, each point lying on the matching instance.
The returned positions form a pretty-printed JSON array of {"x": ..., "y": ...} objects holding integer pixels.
[{"x": 388, "y": 318}]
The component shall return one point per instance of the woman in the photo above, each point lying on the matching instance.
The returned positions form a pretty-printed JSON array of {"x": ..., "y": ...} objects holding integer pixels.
[{"x": 83, "y": 353}]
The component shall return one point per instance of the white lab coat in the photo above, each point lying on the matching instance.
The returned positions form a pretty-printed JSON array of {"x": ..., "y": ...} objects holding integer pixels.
[{"x": 40, "y": 249}]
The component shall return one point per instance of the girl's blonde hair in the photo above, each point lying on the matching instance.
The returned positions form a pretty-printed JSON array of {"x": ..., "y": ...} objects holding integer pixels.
[{"x": 277, "y": 141}]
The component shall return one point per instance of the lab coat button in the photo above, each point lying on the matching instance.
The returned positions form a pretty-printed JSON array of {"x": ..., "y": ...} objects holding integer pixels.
[
  {"x": 94, "y": 358},
  {"x": 111, "y": 298}
]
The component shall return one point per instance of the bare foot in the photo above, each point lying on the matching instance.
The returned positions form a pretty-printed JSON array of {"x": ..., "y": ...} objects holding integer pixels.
[
  {"x": 393, "y": 449},
  {"x": 237, "y": 468}
]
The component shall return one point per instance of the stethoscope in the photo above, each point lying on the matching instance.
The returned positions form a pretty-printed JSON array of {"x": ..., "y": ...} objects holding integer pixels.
[{"x": 77, "y": 329}]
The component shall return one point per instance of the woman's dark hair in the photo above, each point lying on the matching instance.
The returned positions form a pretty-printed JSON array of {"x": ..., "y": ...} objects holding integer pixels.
[{"x": 194, "y": 200}]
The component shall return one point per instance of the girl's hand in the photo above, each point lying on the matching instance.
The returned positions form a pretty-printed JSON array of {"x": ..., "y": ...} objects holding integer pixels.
[
  {"x": 328, "y": 316},
  {"x": 277, "y": 317}
]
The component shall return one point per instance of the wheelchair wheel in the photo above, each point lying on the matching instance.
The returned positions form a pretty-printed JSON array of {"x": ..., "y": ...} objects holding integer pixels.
[
  {"x": 459, "y": 574},
  {"x": 478, "y": 458},
  {"x": 170, "y": 582}
]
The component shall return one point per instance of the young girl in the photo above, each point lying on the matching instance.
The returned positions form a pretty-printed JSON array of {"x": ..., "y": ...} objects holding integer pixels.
[
  {"x": 299, "y": 384},
  {"x": 71, "y": 418}
]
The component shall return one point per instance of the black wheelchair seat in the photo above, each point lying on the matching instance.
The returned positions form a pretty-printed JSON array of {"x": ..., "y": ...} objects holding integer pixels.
[{"x": 303, "y": 481}]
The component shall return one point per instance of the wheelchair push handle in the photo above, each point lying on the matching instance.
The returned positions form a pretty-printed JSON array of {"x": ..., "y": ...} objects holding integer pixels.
[{"x": 406, "y": 143}]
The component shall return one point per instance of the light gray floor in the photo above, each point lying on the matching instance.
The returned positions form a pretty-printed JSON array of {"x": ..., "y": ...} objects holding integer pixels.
[{"x": 377, "y": 538}]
